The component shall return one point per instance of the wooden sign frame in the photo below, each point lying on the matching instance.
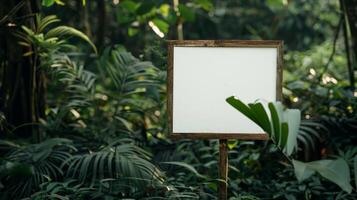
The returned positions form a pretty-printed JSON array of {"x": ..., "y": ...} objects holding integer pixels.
[{"x": 220, "y": 43}]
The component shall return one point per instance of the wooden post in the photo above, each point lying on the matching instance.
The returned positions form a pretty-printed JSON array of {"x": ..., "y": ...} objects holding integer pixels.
[{"x": 223, "y": 169}]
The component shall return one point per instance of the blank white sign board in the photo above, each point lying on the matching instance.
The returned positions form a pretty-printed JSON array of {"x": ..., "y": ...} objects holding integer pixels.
[{"x": 204, "y": 76}]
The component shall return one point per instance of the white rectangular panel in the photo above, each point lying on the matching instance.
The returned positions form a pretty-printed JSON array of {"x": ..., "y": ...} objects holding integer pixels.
[{"x": 203, "y": 77}]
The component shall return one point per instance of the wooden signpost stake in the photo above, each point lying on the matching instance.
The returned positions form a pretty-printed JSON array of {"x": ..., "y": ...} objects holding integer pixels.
[{"x": 223, "y": 169}]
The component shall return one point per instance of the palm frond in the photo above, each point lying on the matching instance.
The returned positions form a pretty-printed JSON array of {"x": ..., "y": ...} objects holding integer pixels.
[
  {"x": 47, "y": 43},
  {"x": 121, "y": 162},
  {"x": 78, "y": 82},
  {"x": 311, "y": 134},
  {"x": 61, "y": 31},
  {"x": 128, "y": 73},
  {"x": 44, "y": 160},
  {"x": 132, "y": 79}
]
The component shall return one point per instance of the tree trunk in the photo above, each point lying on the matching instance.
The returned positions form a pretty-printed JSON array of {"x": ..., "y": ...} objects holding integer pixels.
[
  {"x": 179, "y": 25},
  {"x": 102, "y": 22},
  {"x": 84, "y": 18},
  {"x": 22, "y": 85},
  {"x": 350, "y": 11}
]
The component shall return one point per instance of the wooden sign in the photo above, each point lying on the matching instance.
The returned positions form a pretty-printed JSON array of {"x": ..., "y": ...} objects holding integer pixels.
[{"x": 203, "y": 73}]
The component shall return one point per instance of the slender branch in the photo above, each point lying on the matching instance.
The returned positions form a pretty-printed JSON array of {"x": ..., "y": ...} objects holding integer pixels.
[
  {"x": 24, "y": 125},
  {"x": 333, "y": 48},
  {"x": 12, "y": 12}
]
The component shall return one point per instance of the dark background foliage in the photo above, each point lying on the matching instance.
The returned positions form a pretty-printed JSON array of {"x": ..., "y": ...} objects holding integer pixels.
[{"x": 78, "y": 122}]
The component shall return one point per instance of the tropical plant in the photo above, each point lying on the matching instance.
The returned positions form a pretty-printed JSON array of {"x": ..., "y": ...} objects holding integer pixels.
[
  {"x": 51, "y": 47},
  {"x": 121, "y": 161},
  {"x": 31, "y": 165},
  {"x": 311, "y": 135},
  {"x": 68, "y": 189},
  {"x": 282, "y": 128},
  {"x": 136, "y": 89},
  {"x": 47, "y": 43}
]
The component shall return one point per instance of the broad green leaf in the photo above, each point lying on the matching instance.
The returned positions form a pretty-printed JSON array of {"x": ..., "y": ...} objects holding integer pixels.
[
  {"x": 284, "y": 135},
  {"x": 164, "y": 10},
  {"x": 336, "y": 171},
  {"x": 302, "y": 172},
  {"x": 293, "y": 118},
  {"x": 241, "y": 107},
  {"x": 275, "y": 122},
  {"x": 262, "y": 116},
  {"x": 132, "y": 31},
  {"x": 162, "y": 25},
  {"x": 279, "y": 109}
]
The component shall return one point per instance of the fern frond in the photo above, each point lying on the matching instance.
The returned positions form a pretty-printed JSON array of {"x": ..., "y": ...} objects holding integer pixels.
[
  {"x": 44, "y": 160},
  {"x": 69, "y": 31},
  {"x": 117, "y": 162}
]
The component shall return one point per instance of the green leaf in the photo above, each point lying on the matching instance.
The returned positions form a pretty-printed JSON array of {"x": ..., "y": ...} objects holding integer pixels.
[
  {"x": 284, "y": 135},
  {"x": 241, "y": 107},
  {"x": 186, "y": 13},
  {"x": 44, "y": 22},
  {"x": 302, "y": 172},
  {"x": 262, "y": 116},
  {"x": 275, "y": 123},
  {"x": 336, "y": 171},
  {"x": 164, "y": 10},
  {"x": 293, "y": 118},
  {"x": 59, "y": 2},
  {"x": 232, "y": 144},
  {"x": 162, "y": 25},
  {"x": 279, "y": 109},
  {"x": 48, "y": 3}
]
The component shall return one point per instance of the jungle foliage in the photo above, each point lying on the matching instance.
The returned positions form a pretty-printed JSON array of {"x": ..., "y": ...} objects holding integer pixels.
[{"x": 83, "y": 101}]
